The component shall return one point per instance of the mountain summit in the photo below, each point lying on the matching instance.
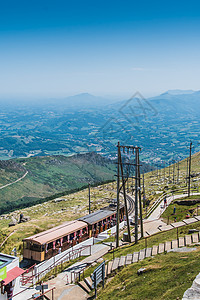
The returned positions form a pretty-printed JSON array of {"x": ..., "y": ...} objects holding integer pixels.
[{"x": 179, "y": 92}]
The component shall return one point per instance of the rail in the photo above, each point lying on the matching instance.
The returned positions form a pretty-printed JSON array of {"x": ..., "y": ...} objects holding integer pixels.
[
  {"x": 66, "y": 257},
  {"x": 41, "y": 295},
  {"x": 25, "y": 277}
]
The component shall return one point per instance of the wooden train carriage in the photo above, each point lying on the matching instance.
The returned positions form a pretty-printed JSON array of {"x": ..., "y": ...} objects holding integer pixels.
[
  {"x": 48, "y": 243},
  {"x": 102, "y": 219}
]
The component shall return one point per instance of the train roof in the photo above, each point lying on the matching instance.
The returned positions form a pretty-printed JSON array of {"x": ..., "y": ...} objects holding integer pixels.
[
  {"x": 98, "y": 215},
  {"x": 57, "y": 232}
]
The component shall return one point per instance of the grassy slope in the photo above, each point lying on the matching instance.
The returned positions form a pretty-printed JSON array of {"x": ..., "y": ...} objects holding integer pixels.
[
  {"x": 155, "y": 239},
  {"x": 9, "y": 172},
  {"x": 181, "y": 210},
  {"x": 51, "y": 175},
  {"x": 155, "y": 182},
  {"x": 50, "y": 214},
  {"x": 168, "y": 276}
]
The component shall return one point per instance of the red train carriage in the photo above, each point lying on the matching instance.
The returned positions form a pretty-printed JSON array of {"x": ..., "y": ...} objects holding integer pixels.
[
  {"x": 48, "y": 243},
  {"x": 102, "y": 219}
]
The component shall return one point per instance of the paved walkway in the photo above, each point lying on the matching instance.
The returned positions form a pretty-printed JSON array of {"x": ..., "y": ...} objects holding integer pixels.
[{"x": 161, "y": 208}]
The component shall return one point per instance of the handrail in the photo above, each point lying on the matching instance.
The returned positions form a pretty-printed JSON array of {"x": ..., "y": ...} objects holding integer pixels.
[
  {"x": 60, "y": 260},
  {"x": 22, "y": 291},
  {"x": 165, "y": 194},
  {"x": 27, "y": 270},
  {"x": 70, "y": 250},
  {"x": 44, "y": 293},
  {"x": 156, "y": 203}
]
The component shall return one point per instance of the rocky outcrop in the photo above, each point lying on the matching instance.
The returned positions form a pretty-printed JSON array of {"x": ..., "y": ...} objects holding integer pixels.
[
  {"x": 22, "y": 219},
  {"x": 187, "y": 202},
  {"x": 13, "y": 222},
  {"x": 193, "y": 293},
  {"x": 11, "y": 165}
]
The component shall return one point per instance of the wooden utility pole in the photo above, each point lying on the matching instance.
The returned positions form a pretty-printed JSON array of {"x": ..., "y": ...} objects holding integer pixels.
[
  {"x": 127, "y": 175},
  {"x": 120, "y": 167},
  {"x": 174, "y": 172},
  {"x": 124, "y": 192},
  {"x": 136, "y": 194},
  {"x": 144, "y": 197},
  {"x": 89, "y": 198},
  {"x": 132, "y": 185},
  {"x": 189, "y": 175},
  {"x": 140, "y": 200},
  {"x": 117, "y": 221},
  {"x": 164, "y": 172},
  {"x": 178, "y": 169}
]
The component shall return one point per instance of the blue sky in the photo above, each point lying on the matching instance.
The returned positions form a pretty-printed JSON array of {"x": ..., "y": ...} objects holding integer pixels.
[{"x": 110, "y": 48}]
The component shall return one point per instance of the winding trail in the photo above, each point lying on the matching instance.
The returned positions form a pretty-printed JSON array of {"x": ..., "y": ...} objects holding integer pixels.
[{"x": 8, "y": 184}]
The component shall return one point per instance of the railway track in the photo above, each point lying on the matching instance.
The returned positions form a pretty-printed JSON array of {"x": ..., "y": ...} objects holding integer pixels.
[{"x": 131, "y": 204}]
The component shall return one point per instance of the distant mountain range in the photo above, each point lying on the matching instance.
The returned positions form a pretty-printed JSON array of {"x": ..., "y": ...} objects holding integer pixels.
[
  {"x": 80, "y": 101},
  {"x": 180, "y": 92},
  {"x": 161, "y": 125}
]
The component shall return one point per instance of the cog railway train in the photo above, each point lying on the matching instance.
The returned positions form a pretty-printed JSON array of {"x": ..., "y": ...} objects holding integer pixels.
[{"x": 46, "y": 244}]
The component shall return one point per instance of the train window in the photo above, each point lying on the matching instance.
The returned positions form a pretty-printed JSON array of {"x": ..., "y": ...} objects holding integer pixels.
[
  {"x": 36, "y": 247},
  {"x": 71, "y": 236},
  {"x": 65, "y": 239},
  {"x": 50, "y": 246},
  {"x": 28, "y": 245}
]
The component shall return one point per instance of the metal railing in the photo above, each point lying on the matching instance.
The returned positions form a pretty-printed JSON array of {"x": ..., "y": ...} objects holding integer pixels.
[
  {"x": 162, "y": 197},
  {"x": 26, "y": 278},
  {"x": 45, "y": 293},
  {"x": 74, "y": 253}
]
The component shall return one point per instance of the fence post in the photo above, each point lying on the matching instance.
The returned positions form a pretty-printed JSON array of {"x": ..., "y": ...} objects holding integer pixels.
[
  {"x": 177, "y": 238},
  {"x": 103, "y": 273},
  {"x": 95, "y": 284}
]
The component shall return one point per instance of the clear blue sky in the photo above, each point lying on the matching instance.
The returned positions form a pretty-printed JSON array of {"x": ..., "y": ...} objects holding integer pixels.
[{"x": 59, "y": 48}]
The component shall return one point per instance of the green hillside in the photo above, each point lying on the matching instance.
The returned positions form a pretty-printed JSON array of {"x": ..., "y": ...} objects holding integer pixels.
[
  {"x": 50, "y": 175},
  {"x": 10, "y": 171}
]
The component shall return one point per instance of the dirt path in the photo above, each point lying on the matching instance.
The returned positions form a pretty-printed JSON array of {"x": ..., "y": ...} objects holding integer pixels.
[
  {"x": 2, "y": 187},
  {"x": 7, "y": 238}
]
